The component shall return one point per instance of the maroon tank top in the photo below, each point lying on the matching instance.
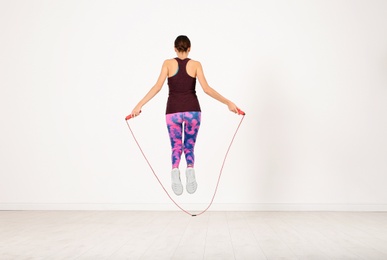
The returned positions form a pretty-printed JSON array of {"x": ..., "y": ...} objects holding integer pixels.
[{"x": 182, "y": 94}]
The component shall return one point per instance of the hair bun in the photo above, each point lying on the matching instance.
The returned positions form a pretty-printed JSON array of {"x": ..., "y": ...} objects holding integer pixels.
[{"x": 182, "y": 43}]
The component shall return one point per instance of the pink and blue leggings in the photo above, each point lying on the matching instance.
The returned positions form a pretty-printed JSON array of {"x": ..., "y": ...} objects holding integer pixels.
[{"x": 190, "y": 121}]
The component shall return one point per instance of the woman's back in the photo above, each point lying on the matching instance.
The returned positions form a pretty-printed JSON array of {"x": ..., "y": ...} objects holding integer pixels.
[
  {"x": 173, "y": 66},
  {"x": 182, "y": 94}
]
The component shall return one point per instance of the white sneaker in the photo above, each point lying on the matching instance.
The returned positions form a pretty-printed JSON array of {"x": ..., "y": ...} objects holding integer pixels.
[
  {"x": 191, "y": 181},
  {"x": 177, "y": 187}
]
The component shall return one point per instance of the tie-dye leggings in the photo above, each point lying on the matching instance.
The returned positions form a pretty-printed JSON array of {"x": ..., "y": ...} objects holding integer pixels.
[{"x": 175, "y": 123}]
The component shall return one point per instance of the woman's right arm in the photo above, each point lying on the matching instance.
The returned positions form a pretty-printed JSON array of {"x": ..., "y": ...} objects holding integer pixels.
[
  {"x": 153, "y": 91},
  {"x": 212, "y": 92}
]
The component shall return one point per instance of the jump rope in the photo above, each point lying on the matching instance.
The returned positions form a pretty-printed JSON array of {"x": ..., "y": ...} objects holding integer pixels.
[{"x": 240, "y": 112}]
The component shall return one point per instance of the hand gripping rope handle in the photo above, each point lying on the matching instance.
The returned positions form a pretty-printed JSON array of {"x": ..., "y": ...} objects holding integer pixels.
[{"x": 240, "y": 112}]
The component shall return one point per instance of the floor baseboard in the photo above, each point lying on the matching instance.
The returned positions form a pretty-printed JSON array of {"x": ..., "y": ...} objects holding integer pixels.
[{"x": 195, "y": 207}]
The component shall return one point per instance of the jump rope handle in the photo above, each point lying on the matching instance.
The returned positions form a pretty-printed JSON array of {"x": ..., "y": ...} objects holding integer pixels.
[
  {"x": 240, "y": 112},
  {"x": 129, "y": 117}
]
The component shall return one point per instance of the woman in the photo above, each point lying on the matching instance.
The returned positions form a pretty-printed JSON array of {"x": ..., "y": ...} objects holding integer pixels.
[{"x": 183, "y": 109}]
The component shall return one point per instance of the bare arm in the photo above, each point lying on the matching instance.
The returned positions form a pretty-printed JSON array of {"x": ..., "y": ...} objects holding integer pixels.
[
  {"x": 153, "y": 91},
  {"x": 212, "y": 92}
]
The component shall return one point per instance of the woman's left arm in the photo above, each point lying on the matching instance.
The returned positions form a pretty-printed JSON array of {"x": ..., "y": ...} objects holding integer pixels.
[{"x": 153, "y": 91}]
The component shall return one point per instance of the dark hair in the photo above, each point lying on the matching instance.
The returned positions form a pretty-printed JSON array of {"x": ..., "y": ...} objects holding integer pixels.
[{"x": 182, "y": 43}]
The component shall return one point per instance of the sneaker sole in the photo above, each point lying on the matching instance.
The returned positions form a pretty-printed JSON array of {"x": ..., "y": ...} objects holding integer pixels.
[
  {"x": 192, "y": 187},
  {"x": 177, "y": 188}
]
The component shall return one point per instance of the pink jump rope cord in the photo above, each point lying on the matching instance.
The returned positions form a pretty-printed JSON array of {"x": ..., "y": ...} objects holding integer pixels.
[{"x": 240, "y": 112}]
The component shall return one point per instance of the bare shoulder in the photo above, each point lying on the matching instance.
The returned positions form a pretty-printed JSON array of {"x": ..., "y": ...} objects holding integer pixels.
[
  {"x": 168, "y": 61},
  {"x": 196, "y": 64}
]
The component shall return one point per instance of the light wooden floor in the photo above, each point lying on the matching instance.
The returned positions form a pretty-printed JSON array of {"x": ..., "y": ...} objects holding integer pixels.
[{"x": 174, "y": 235}]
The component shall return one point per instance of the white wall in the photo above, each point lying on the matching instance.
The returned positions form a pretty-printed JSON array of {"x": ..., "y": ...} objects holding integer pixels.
[{"x": 311, "y": 76}]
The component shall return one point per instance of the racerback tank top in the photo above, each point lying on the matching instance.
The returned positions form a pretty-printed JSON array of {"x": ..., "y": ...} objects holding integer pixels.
[{"x": 182, "y": 94}]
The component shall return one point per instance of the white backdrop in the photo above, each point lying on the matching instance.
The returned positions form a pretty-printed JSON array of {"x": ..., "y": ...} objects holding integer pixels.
[{"x": 311, "y": 76}]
